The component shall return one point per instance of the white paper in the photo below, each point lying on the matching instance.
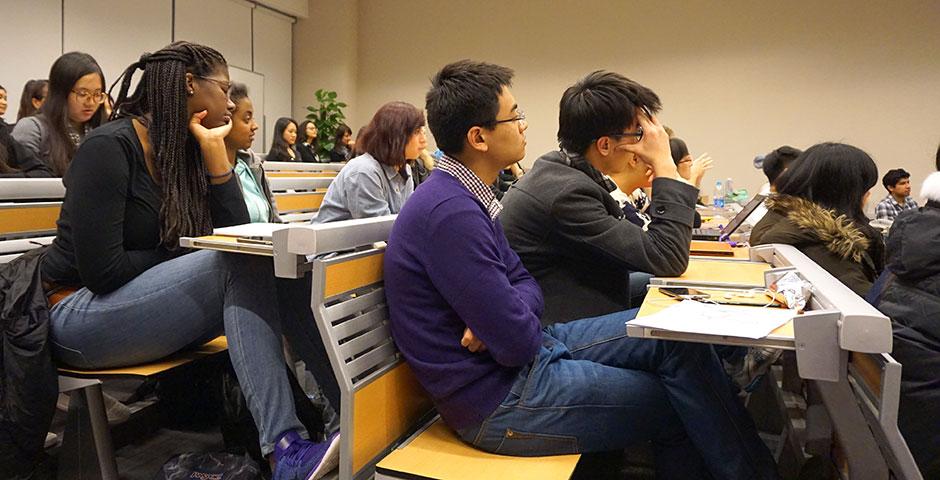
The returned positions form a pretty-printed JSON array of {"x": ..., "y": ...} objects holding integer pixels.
[
  {"x": 710, "y": 319},
  {"x": 251, "y": 230}
]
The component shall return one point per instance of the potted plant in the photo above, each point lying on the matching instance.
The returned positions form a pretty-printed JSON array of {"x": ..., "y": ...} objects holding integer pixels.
[{"x": 327, "y": 115}]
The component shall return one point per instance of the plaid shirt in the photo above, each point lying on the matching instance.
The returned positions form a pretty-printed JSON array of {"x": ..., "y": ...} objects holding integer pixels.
[
  {"x": 482, "y": 191},
  {"x": 889, "y": 208}
]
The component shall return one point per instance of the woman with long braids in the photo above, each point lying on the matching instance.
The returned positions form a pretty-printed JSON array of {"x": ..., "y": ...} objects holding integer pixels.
[
  {"x": 68, "y": 114},
  {"x": 122, "y": 290}
]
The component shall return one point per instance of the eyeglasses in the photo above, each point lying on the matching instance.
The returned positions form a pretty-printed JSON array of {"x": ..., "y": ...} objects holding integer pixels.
[
  {"x": 519, "y": 118},
  {"x": 632, "y": 137},
  {"x": 96, "y": 96},
  {"x": 225, "y": 86}
]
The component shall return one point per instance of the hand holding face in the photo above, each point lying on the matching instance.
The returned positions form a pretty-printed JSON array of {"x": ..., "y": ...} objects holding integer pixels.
[
  {"x": 205, "y": 135},
  {"x": 653, "y": 148}
]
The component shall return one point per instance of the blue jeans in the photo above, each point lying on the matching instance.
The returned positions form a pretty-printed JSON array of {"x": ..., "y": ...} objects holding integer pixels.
[
  {"x": 592, "y": 388},
  {"x": 180, "y": 303}
]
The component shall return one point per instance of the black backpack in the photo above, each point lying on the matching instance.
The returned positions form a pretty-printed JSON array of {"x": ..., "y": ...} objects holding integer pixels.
[{"x": 209, "y": 466}]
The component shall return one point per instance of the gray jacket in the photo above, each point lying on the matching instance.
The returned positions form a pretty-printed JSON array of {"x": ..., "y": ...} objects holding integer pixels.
[
  {"x": 31, "y": 133},
  {"x": 254, "y": 164},
  {"x": 573, "y": 238}
]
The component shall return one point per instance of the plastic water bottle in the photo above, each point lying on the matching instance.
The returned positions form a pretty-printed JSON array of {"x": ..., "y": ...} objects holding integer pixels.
[
  {"x": 729, "y": 191},
  {"x": 718, "y": 196}
]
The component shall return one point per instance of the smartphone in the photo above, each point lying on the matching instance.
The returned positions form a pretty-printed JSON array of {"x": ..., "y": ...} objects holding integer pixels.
[{"x": 684, "y": 293}]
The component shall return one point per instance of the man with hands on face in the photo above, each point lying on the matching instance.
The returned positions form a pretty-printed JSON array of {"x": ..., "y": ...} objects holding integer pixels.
[
  {"x": 567, "y": 229},
  {"x": 465, "y": 314}
]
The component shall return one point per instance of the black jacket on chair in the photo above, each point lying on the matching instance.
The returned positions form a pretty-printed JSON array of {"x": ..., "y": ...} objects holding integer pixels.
[
  {"x": 909, "y": 293},
  {"x": 28, "y": 379}
]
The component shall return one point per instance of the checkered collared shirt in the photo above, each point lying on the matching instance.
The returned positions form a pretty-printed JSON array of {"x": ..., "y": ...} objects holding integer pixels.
[
  {"x": 889, "y": 208},
  {"x": 473, "y": 183}
]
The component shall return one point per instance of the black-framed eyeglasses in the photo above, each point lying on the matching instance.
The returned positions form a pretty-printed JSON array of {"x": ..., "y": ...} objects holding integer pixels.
[
  {"x": 519, "y": 118},
  {"x": 96, "y": 96},
  {"x": 632, "y": 137},
  {"x": 225, "y": 86}
]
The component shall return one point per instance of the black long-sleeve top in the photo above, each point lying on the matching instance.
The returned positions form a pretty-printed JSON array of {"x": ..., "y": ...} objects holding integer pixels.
[
  {"x": 21, "y": 159},
  {"x": 109, "y": 227}
]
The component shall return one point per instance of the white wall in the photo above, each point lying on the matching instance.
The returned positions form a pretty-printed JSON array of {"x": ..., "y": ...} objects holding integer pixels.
[
  {"x": 33, "y": 26},
  {"x": 253, "y": 39},
  {"x": 326, "y": 56},
  {"x": 736, "y": 78}
]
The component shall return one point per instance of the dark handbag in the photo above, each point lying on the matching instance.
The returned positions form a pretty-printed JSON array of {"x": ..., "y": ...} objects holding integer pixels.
[{"x": 209, "y": 466}]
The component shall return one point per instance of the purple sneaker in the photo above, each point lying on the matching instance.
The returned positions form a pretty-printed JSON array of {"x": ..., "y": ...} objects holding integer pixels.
[{"x": 299, "y": 459}]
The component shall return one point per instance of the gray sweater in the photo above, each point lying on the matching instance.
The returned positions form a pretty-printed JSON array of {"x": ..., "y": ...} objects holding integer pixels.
[{"x": 573, "y": 238}]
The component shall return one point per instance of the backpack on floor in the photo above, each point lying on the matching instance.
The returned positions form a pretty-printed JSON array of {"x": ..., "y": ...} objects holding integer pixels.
[{"x": 209, "y": 466}]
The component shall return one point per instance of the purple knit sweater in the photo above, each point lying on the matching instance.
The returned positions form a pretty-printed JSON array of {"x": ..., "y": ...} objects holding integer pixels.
[{"x": 448, "y": 267}]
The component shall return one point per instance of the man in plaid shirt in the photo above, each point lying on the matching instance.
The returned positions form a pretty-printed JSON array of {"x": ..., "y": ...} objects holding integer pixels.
[{"x": 898, "y": 183}]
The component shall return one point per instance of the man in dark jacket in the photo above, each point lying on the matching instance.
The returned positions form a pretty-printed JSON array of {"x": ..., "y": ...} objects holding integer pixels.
[
  {"x": 909, "y": 292},
  {"x": 561, "y": 220}
]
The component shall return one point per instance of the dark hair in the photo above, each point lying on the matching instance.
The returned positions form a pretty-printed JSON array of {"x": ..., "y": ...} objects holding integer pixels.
[
  {"x": 32, "y": 91},
  {"x": 894, "y": 176},
  {"x": 161, "y": 94},
  {"x": 302, "y": 132},
  {"x": 463, "y": 95},
  {"x": 66, "y": 70},
  {"x": 237, "y": 92},
  {"x": 602, "y": 103},
  {"x": 678, "y": 148},
  {"x": 6, "y": 145},
  {"x": 389, "y": 131},
  {"x": 279, "y": 146},
  {"x": 779, "y": 160},
  {"x": 938, "y": 158},
  {"x": 835, "y": 176},
  {"x": 341, "y": 131}
]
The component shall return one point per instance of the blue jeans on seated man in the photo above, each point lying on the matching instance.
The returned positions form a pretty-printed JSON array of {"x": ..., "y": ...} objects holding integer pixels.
[
  {"x": 181, "y": 303},
  {"x": 592, "y": 389}
]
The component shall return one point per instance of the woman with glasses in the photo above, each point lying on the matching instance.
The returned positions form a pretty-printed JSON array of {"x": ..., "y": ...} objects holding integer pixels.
[
  {"x": 308, "y": 147},
  {"x": 72, "y": 109},
  {"x": 34, "y": 95},
  {"x": 378, "y": 182},
  {"x": 122, "y": 290}
]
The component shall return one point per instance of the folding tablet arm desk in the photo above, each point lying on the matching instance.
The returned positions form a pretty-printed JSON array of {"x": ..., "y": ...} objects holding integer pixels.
[{"x": 836, "y": 322}]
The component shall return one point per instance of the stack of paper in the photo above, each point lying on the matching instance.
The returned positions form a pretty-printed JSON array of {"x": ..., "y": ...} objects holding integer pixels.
[{"x": 710, "y": 319}]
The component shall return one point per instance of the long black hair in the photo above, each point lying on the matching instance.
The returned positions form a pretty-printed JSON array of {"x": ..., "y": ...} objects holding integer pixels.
[
  {"x": 279, "y": 146},
  {"x": 341, "y": 131},
  {"x": 159, "y": 102},
  {"x": 302, "y": 133},
  {"x": 32, "y": 91},
  {"x": 66, "y": 70},
  {"x": 835, "y": 176}
]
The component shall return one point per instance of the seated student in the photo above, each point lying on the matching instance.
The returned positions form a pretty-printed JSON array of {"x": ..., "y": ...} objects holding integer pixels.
[
  {"x": 342, "y": 144},
  {"x": 819, "y": 209},
  {"x": 909, "y": 293},
  {"x": 130, "y": 294},
  {"x": 34, "y": 95},
  {"x": 70, "y": 112},
  {"x": 282, "y": 146},
  {"x": 562, "y": 221},
  {"x": 308, "y": 146},
  {"x": 689, "y": 169},
  {"x": 898, "y": 184},
  {"x": 247, "y": 164},
  {"x": 465, "y": 314},
  {"x": 3, "y": 108},
  {"x": 378, "y": 181},
  {"x": 18, "y": 162},
  {"x": 777, "y": 162}
]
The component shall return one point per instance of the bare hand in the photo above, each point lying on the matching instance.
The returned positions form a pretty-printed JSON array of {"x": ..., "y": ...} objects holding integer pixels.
[
  {"x": 653, "y": 148},
  {"x": 207, "y": 135},
  {"x": 700, "y": 165},
  {"x": 471, "y": 342}
]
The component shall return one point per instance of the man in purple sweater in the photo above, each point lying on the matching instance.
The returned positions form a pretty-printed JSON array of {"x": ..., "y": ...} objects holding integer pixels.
[{"x": 465, "y": 315}]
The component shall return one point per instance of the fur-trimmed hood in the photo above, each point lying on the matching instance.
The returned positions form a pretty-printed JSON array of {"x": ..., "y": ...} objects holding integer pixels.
[{"x": 839, "y": 234}]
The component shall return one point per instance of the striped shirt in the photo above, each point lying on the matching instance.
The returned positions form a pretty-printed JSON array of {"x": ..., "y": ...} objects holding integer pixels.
[{"x": 473, "y": 183}]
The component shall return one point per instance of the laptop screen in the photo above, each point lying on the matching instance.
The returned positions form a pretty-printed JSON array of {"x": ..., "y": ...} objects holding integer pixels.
[{"x": 743, "y": 214}]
